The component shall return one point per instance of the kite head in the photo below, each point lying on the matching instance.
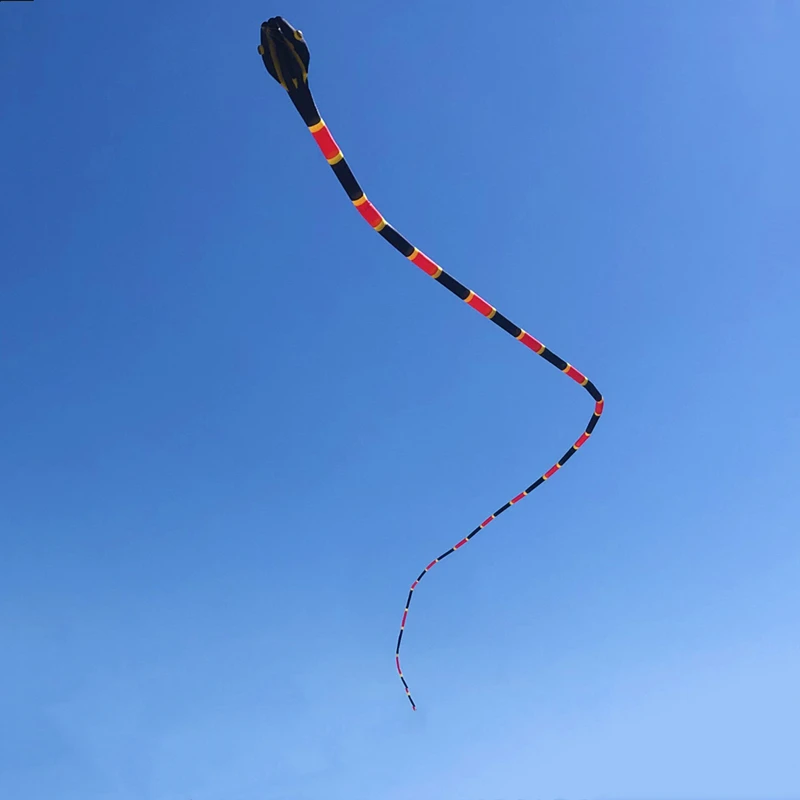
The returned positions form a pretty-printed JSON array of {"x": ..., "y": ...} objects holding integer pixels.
[{"x": 285, "y": 55}]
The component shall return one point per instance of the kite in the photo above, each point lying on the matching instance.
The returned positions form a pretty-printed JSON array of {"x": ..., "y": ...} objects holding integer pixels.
[{"x": 286, "y": 57}]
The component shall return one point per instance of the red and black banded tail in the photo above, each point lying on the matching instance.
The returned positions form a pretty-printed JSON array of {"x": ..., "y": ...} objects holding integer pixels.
[{"x": 281, "y": 57}]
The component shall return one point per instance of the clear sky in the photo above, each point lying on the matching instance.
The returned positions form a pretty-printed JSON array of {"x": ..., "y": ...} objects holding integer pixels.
[{"x": 236, "y": 423}]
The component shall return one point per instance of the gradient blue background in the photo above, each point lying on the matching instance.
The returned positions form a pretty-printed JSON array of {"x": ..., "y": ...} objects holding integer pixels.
[{"x": 236, "y": 424}]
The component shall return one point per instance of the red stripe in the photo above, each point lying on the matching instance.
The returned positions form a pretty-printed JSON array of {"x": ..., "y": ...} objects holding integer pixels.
[
  {"x": 529, "y": 341},
  {"x": 326, "y": 143},
  {"x": 598, "y": 408},
  {"x": 425, "y": 264},
  {"x": 397, "y": 661},
  {"x": 405, "y": 614},
  {"x": 575, "y": 375},
  {"x": 552, "y": 471},
  {"x": 518, "y": 498},
  {"x": 414, "y": 585},
  {"x": 582, "y": 440},
  {"x": 431, "y": 564},
  {"x": 486, "y": 522},
  {"x": 462, "y": 542},
  {"x": 479, "y": 304},
  {"x": 369, "y": 212}
]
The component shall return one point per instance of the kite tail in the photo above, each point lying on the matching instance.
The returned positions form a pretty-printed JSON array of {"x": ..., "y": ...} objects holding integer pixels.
[
  {"x": 286, "y": 57},
  {"x": 335, "y": 158}
]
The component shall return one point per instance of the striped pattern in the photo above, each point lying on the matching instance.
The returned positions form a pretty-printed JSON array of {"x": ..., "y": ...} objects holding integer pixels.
[
  {"x": 285, "y": 55},
  {"x": 335, "y": 158}
]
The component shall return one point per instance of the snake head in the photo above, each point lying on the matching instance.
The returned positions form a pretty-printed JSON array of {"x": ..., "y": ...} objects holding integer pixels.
[{"x": 285, "y": 54}]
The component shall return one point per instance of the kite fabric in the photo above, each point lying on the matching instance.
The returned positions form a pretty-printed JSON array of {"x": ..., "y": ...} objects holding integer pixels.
[{"x": 286, "y": 57}]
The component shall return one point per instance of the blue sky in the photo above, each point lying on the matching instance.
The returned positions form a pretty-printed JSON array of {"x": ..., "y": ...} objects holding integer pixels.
[{"x": 236, "y": 423}]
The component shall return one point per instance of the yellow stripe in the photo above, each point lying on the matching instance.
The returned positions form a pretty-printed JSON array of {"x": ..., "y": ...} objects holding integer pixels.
[
  {"x": 469, "y": 296},
  {"x": 584, "y": 381},
  {"x": 299, "y": 61},
  {"x": 318, "y": 127},
  {"x": 521, "y": 334},
  {"x": 539, "y": 352},
  {"x": 361, "y": 200},
  {"x": 566, "y": 369},
  {"x": 413, "y": 255},
  {"x": 381, "y": 225},
  {"x": 274, "y": 56},
  {"x": 491, "y": 313},
  {"x": 336, "y": 159},
  {"x": 437, "y": 273}
]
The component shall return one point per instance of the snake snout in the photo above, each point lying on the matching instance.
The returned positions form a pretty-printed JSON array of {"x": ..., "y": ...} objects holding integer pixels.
[
  {"x": 284, "y": 27},
  {"x": 277, "y": 28}
]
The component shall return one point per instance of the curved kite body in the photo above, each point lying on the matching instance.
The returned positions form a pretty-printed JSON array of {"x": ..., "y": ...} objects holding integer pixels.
[{"x": 286, "y": 57}]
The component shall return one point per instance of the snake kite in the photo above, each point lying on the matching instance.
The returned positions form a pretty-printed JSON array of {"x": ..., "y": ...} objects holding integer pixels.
[{"x": 286, "y": 57}]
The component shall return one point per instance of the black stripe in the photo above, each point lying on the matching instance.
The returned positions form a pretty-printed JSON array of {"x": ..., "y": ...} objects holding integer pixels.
[
  {"x": 501, "y": 510},
  {"x": 472, "y": 533},
  {"x": 555, "y": 360},
  {"x": 399, "y": 639},
  {"x": 567, "y": 456},
  {"x": 590, "y": 387},
  {"x": 304, "y": 103},
  {"x": 534, "y": 485},
  {"x": 421, "y": 575},
  {"x": 592, "y": 423},
  {"x": 449, "y": 282},
  {"x": 506, "y": 324},
  {"x": 396, "y": 240},
  {"x": 451, "y": 550},
  {"x": 347, "y": 179}
]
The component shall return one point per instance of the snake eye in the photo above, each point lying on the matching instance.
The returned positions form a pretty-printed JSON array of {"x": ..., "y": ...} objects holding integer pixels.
[{"x": 298, "y": 35}]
